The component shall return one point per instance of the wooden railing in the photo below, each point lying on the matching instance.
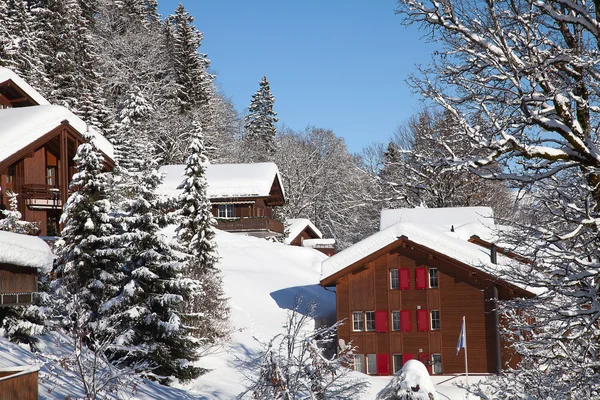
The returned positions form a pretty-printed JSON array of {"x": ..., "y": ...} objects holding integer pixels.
[
  {"x": 40, "y": 191},
  {"x": 19, "y": 383},
  {"x": 15, "y": 299},
  {"x": 250, "y": 224}
]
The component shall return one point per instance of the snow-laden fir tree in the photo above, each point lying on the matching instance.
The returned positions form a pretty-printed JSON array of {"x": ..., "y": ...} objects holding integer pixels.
[
  {"x": 10, "y": 219},
  {"x": 208, "y": 313},
  {"x": 189, "y": 66},
  {"x": 147, "y": 310},
  {"x": 260, "y": 122},
  {"x": 520, "y": 78},
  {"x": 295, "y": 364},
  {"x": 90, "y": 254}
]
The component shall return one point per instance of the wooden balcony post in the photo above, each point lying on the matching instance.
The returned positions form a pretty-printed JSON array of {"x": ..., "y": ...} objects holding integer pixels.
[{"x": 64, "y": 167}]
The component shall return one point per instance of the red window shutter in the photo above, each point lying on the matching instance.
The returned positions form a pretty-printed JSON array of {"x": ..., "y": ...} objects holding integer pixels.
[
  {"x": 381, "y": 321},
  {"x": 422, "y": 320},
  {"x": 405, "y": 322},
  {"x": 406, "y": 357},
  {"x": 383, "y": 364},
  {"x": 404, "y": 279},
  {"x": 424, "y": 358},
  {"x": 421, "y": 278}
]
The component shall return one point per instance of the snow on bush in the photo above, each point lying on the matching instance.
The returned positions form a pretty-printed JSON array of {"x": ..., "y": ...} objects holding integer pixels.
[{"x": 411, "y": 383}]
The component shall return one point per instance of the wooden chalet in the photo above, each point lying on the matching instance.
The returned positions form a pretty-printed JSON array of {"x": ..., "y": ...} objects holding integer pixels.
[
  {"x": 38, "y": 142},
  {"x": 242, "y": 195},
  {"x": 404, "y": 291},
  {"x": 302, "y": 232},
  {"x": 21, "y": 257}
]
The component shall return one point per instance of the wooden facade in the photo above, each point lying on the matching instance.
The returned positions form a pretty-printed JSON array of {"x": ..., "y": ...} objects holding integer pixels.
[
  {"x": 12, "y": 96},
  {"x": 19, "y": 383},
  {"x": 400, "y": 290},
  {"x": 17, "y": 284},
  {"x": 40, "y": 174},
  {"x": 252, "y": 215}
]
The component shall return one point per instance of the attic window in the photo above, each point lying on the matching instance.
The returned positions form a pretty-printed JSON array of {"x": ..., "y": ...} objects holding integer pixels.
[{"x": 10, "y": 174}]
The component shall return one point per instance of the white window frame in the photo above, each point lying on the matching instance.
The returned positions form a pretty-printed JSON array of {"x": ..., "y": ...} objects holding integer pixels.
[
  {"x": 225, "y": 211},
  {"x": 394, "y": 280},
  {"x": 435, "y": 276},
  {"x": 359, "y": 363},
  {"x": 436, "y": 367},
  {"x": 399, "y": 328},
  {"x": 433, "y": 326},
  {"x": 372, "y": 364},
  {"x": 370, "y": 321},
  {"x": 358, "y": 319},
  {"x": 396, "y": 366}
]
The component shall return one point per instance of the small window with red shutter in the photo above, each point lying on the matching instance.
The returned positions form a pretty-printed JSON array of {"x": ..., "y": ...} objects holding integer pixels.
[
  {"x": 404, "y": 279},
  {"x": 421, "y": 278},
  {"x": 381, "y": 321},
  {"x": 383, "y": 364},
  {"x": 422, "y": 320},
  {"x": 405, "y": 322}
]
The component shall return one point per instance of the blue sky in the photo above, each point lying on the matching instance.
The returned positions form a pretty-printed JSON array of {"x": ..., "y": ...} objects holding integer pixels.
[{"x": 340, "y": 65}]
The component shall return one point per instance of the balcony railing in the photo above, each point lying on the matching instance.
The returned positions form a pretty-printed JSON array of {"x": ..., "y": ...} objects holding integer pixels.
[{"x": 249, "y": 224}]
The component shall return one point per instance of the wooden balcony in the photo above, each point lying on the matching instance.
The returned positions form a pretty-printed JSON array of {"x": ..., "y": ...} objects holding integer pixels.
[
  {"x": 19, "y": 383},
  {"x": 41, "y": 196},
  {"x": 251, "y": 224}
]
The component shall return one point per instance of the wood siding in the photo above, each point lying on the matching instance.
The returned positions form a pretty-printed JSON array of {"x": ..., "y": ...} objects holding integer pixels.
[
  {"x": 16, "y": 279},
  {"x": 20, "y": 387},
  {"x": 459, "y": 293}
]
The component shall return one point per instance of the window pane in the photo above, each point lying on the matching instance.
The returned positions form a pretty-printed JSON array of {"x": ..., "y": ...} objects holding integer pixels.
[
  {"x": 357, "y": 321},
  {"x": 395, "y": 320},
  {"x": 397, "y": 362},
  {"x": 359, "y": 363},
  {"x": 370, "y": 319},
  {"x": 371, "y": 363},
  {"x": 435, "y": 319},
  {"x": 437, "y": 363},
  {"x": 433, "y": 277},
  {"x": 394, "y": 280},
  {"x": 225, "y": 210}
]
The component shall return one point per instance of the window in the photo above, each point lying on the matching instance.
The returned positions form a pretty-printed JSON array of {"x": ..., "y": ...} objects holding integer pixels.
[
  {"x": 422, "y": 320},
  {"x": 357, "y": 321},
  {"x": 371, "y": 364},
  {"x": 370, "y": 319},
  {"x": 225, "y": 211},
  {"x": 421, "y": 278},
  {"x": 435, "y": 320},
  {"x": 433, "y": 277},
  {"x": 10, "y": 174},
  {"x": 51, "y": 175},
  {"x": 394, "y": 279},
  {"x": 436, "y": 360},
  {"x": 359, "y": 363},
  {"x": 397, "y": 362},
  {"x": 395, "y": 320}
]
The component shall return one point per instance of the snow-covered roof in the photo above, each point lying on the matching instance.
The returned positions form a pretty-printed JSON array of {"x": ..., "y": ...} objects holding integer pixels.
[
  {"x": 295, "y": 226},
  {"x": 445, "y": 218},
  {"x": 427, "y": 235},
  {"x": 25, "y": 251},
  {"x": 318, "y": 243},
  {"x": 19, "y": 127},
  {"x": 8, "y": 75},
  {"x": 226, "y": 180}
]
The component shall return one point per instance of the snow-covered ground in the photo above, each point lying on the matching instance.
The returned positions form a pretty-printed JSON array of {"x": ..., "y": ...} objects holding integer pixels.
[{"x": 262, "y": 279}]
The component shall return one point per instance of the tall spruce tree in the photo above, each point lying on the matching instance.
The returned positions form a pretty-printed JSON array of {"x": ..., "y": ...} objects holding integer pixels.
[
  {"x": 90, "y": 254},
  {"x": 196, "y": 233},
  {"x": 148, "y": 308},
  {"x": 260, "y": 123}
]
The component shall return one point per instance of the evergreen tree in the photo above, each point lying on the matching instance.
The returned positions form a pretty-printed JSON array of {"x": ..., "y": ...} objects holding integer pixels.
[
  {"x": 89, "y": 252},
  {"x": 189, "y": 66},
  {"x": 147, "y": 309},
  {"x": 196, "y": 233},
  {"x": 260, "y": 123}
]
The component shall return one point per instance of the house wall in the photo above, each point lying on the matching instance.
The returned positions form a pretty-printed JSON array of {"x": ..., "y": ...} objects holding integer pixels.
[
  {"x": 15, "y": 386},
  {"x": 257, "y": 209},
  {"x": 16, "y": 279},
  {"x": 459, "y": 294}
]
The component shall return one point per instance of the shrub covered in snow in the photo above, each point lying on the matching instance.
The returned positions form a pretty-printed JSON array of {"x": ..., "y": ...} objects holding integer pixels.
[{"x": 411, "y": 383}]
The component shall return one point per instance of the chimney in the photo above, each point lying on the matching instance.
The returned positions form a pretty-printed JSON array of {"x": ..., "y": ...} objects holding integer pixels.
[{"x": 493, "y": 254}]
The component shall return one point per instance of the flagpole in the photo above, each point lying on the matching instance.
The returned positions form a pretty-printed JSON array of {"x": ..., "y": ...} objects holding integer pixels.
[{"x": 466, "y": 359}]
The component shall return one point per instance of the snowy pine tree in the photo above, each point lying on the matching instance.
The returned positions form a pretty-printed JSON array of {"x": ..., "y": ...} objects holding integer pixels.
[
  {"x": 260, "y": 123},
  {"x": 208, "y": 312},
  {"x": 10, "y": 219}
]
